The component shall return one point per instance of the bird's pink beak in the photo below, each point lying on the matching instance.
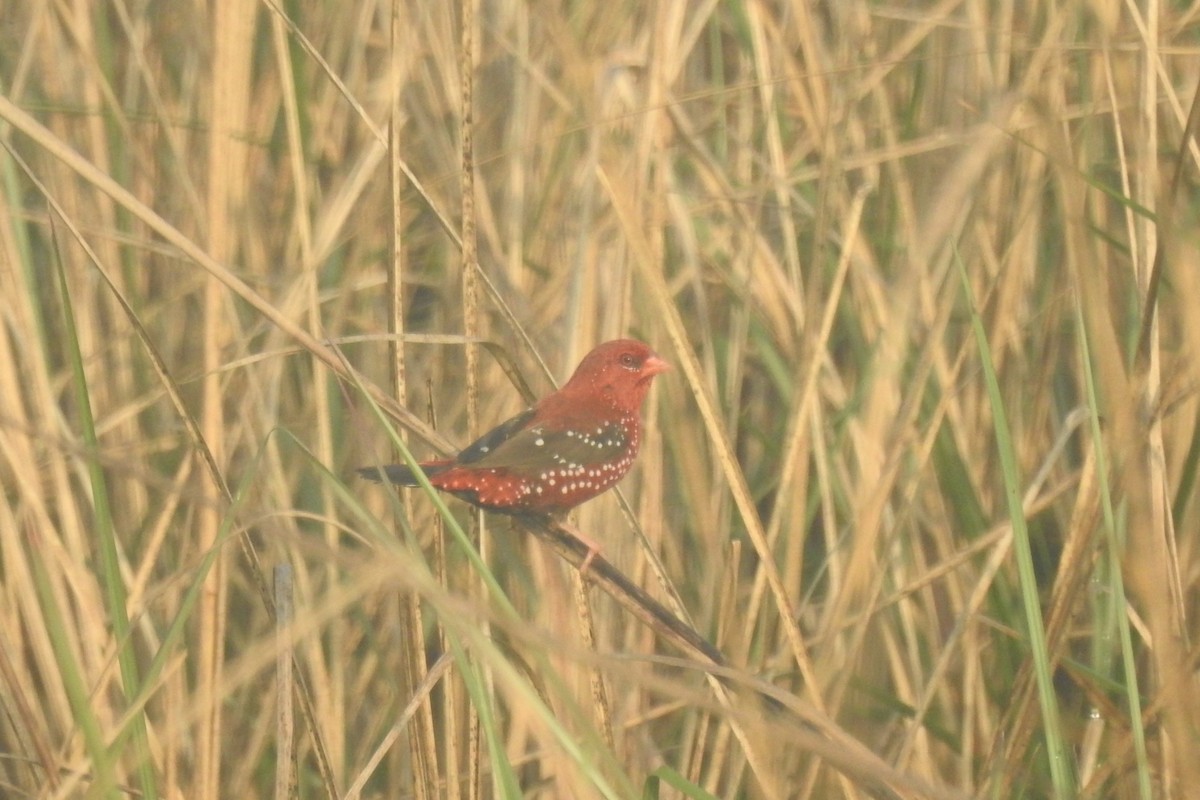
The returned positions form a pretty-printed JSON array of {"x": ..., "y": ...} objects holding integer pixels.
[{"x": 654, "y": 366}]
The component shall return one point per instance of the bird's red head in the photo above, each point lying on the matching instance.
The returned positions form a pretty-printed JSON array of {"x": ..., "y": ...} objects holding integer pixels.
[{"x": 619, "y": 371}]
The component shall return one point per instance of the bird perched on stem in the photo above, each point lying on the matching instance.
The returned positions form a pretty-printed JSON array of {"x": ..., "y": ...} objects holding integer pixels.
[{"x": 571, "y": 446}]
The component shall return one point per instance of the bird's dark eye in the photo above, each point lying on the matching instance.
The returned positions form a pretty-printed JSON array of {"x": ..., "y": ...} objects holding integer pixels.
[{"x": 629, "y": 361}]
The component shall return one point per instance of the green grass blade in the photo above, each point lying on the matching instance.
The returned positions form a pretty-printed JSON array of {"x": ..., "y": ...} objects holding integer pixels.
[
  {"x": 676, "y": 781},
  {"x": 1060, "y": 765},
  {"x": 106, "y": 539},
  {"x": 1112, "y": 573},
  {"x": 70, "y": 672}
]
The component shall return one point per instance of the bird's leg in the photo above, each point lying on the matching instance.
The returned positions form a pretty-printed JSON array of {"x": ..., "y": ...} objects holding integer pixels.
[
  {"x": 593, "y": 547},
  {"x": 559, "y": 531},
  {"x": 593, "y": 551}
]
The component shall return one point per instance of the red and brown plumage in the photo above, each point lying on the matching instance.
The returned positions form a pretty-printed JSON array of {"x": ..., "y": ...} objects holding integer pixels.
[{"x": 573, "y": 445}]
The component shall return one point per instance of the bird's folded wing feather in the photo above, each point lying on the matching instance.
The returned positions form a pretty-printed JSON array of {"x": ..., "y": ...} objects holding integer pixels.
[
  {"x": 518, "y": 445},
  {"x": 485, "y": 446}
]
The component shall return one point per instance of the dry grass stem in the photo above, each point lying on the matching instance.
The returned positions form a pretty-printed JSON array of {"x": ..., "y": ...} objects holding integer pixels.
[{"x": 886, "y": 247}]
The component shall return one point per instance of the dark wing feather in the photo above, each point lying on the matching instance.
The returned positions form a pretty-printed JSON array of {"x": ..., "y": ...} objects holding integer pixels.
[
  {"x": 486, "y": 445},
  {"x": 535, "y": 448},
  {"x": 400, "y": 474}
]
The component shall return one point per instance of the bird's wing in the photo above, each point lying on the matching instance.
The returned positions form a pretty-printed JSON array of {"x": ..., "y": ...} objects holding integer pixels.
[
  {"x": 484, "y": 447},
  {"x": 521, "y": 444}
]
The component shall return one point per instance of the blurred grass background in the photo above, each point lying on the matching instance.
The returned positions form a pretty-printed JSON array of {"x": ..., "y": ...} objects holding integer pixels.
[{"x": 926, "y": 463}]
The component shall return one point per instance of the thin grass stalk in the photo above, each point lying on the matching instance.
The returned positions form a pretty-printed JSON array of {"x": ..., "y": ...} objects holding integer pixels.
[
  {"x": 477, "y": 717},
  {"x": 285, "y": 752},
  {"x": 103, "y": 762},
  {"x": 329, "y": 677},
  {"x": 1115, "y": 581},
  {"x": 428, "y": 775},
  {"x": 1056, "y": 749},
  {"x": 106, "y": 539}
]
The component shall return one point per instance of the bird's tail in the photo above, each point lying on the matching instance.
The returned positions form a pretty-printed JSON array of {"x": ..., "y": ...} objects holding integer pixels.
[{"x": 400, "y": 474}]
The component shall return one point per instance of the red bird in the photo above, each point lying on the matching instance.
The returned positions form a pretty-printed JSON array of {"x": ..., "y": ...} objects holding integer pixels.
[{"x": 573, "y": 445}]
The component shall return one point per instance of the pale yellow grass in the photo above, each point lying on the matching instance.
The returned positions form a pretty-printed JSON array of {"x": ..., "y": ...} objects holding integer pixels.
[{"x": 246, "y": 199}]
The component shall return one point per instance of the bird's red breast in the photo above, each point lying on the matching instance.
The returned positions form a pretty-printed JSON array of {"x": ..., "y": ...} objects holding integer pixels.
[{"x": 570, "y": 447}]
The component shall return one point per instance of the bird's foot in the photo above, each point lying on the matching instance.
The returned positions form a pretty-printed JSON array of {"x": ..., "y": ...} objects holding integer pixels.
[
  {"x": 587, "y": 562},
  {"x": 593, "y": 550}
]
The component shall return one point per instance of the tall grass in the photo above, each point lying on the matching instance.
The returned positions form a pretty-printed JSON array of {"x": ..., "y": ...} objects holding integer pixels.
[{"x": 926, "y": 465}]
